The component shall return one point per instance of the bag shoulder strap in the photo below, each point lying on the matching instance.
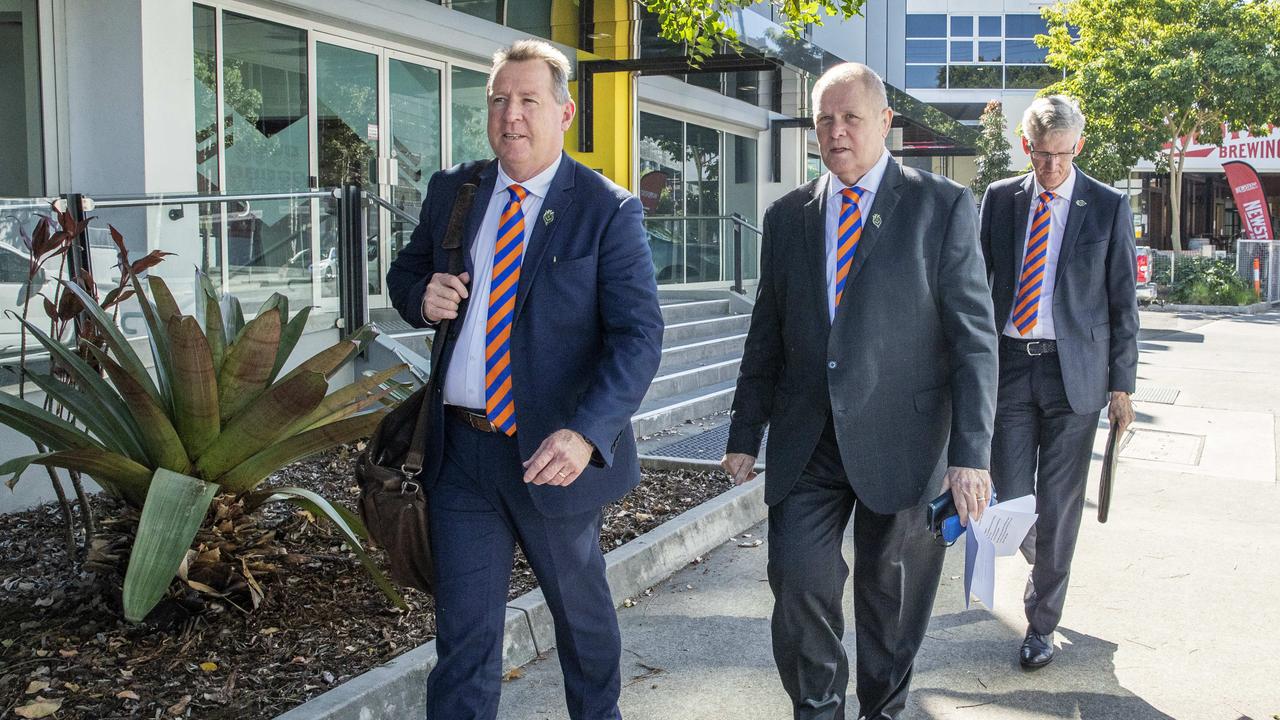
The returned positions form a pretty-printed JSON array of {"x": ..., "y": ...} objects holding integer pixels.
[{"x": 452, "y": 243}]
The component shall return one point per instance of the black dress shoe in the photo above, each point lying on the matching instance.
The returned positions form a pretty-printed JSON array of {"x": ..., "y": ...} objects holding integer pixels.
[{"x": 1036, "y": 650}]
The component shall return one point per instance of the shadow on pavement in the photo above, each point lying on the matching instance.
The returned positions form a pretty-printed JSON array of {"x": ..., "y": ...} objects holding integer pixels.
[{"x": 1081, "y": 682}]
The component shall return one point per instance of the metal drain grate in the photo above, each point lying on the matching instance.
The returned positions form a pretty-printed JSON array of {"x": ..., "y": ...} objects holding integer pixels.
[
  {"x": 1156, "y": 394},
  {"x": 707, "y": 445}
]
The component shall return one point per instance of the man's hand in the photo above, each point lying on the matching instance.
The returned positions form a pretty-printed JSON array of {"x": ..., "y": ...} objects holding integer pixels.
[
  {"x": 444, "y": 293},
  {"x": 970, "y": 489},
  {"x": 559, "y": 459},
  {"x": 1120, "y": 413},
  {"x": 740, "y": 466}
]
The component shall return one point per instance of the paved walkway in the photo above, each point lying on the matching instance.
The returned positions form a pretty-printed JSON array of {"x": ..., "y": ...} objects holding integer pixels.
[{"x": 1173, "y": 611}]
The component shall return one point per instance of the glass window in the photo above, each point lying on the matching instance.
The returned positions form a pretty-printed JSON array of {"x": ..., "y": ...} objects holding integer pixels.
[
  {"x": 1030, "y": 77},
  {"x": 812, "y": 167},
  {"x": 975, "y": 76},
  {"x": 530, "y": 16},
  {"x": 926, "y": 26},
  {"x": 740, "y": 198},
  {"x": 961, "y": 51},
  {"x": 206, "y": 85},
  {"x": 989, "y": 51},
  {"x": 1023, "y": 51},
  {"x": 926, "y": 76},
  {"x": 1023, "y": 25},
  {"x": 702, "y": 198},
  {"x": 266, "y": 147},
  {"x": 989, "y": 26},
  {"x": 483, "y": 9},
  {"x": 661, "y": 175},
  {"x": 22, "y": 147},
  {"x": 469, "y": 115},
  {"x": 414, "y": 139},
  {"x": 926, "y": 51},
  {"x": 962, "y": 26}
]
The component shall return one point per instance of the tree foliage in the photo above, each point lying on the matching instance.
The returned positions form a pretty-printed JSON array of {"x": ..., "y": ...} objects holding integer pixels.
[
  {"x": 701, "y": 26},
  {"x": 993, "y": 149},
  {"x": 1154, "y": 76}
]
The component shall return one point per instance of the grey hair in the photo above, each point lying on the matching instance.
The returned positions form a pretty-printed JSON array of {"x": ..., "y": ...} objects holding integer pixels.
[
  {"x": 851, "y": 72},
  {"x": 528, "y": 49},
  {"x": 1052, "y": 114}
]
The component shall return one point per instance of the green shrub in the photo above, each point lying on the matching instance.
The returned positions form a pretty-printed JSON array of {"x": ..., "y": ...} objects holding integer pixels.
[{"x": 1208, "y": 281}]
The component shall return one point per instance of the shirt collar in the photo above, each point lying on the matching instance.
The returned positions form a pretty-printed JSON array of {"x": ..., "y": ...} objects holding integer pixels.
[
  {"x": 1064, "y": 190},
  {"x": 537, "y": 185},
  {"x": 869, "y": 182}
]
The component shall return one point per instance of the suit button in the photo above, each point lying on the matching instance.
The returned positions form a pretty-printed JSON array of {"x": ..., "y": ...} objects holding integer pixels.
[{"x": 832, "y": 364}]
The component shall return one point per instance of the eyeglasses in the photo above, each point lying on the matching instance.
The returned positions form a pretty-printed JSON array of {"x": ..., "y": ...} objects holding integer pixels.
[{"x": 1041, "y": 156}]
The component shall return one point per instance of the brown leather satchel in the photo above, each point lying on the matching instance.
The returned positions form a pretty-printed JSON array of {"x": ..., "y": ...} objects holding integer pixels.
[{"x": 393, "y": 504}]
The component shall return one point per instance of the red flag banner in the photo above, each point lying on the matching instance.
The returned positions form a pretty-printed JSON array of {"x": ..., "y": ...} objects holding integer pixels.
[{"x": 1251, "y": 201}]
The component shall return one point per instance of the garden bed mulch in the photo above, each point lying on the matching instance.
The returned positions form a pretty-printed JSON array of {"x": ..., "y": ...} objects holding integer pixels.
[{"x": 321, "y": 620}]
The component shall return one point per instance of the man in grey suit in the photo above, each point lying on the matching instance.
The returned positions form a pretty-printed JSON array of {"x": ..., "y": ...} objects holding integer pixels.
[
  {"x": 872, "y": 355},
  {"x": 1059, "y": 251}
]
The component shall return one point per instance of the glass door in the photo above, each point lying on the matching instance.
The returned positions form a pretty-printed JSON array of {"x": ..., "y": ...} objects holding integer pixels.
[
  {"x": 348, "y": 133},
  {"x": 415, "y": 140}
]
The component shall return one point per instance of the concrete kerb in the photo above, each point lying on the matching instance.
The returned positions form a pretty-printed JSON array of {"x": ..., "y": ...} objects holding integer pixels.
[
  {"x": 398, "y": 688},
  {"x": 1253, "y": 309}
]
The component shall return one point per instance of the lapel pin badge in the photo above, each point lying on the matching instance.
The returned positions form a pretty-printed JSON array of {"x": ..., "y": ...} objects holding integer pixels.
[
  {"x": 1081, "y": 203},
  {"x": 875, "y": 220},
  {"x": 548, "y": 216}
]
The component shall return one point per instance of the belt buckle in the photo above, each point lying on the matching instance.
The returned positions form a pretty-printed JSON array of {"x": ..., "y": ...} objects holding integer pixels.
[{"x": 1034, "y": 344}]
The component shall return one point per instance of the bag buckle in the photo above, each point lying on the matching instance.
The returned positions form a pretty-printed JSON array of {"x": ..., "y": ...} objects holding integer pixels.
[{"x": 409, "y": 486}]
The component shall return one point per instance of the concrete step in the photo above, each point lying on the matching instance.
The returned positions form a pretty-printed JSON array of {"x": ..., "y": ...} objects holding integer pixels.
[
  {"x": 685, "y": 311},
  {"x": 702, "y": 350},
  {"x": 684, "y": 333},
  {"x": 683, "y": 379},
  {"x": 661, "y": 413}
]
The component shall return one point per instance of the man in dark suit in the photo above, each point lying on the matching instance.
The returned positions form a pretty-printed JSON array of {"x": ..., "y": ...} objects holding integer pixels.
[
  {"x": 872, "y": 357},
  {"x": 1059, "y": 251},
  {"x": 556, "y": 335}
]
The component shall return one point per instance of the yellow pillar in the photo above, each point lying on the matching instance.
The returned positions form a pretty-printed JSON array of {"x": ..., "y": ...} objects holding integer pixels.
[{"x": 614, "y": 108}]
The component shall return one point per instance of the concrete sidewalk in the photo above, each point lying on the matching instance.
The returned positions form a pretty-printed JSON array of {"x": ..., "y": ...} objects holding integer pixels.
[{"x": 1173, "y": 605}]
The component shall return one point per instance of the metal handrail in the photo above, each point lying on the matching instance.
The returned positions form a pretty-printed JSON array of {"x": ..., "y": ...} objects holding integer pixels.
[
  {"x": 153, "y": 200},
  {"x": 398, "y": 212},
  {"x": 732, "y": 218}
]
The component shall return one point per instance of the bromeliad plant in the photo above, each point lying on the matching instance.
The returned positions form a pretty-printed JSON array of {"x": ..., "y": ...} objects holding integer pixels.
[{"x": 218, "y": 418}]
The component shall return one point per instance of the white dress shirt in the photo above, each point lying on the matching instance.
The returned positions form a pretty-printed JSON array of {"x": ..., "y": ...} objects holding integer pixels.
[
  {"x": 464, "y": 382},
  {"x": 1059, "y": 207},
  {"x": 870, "y": 183}
]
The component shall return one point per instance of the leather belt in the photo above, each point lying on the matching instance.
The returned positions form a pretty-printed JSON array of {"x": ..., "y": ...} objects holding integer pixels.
[
  {"x": 475, "y": 418},
  {"x": 1030, "y": 347}
]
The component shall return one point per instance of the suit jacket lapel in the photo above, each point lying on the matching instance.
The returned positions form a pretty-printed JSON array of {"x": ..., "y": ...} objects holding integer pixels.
[
  {"x": 884, "y": 204},
  {"x": 1021, "y": 209},
  {"x": 483, "y": 196},
  {"x": 539, "y": 233},
  {"x": 1076, "y": 213},
  {"x": 815, "y": 244}
]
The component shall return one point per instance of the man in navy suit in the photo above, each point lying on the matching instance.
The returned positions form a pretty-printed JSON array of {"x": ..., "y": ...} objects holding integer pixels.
[
  {"x": 1060, "y": 259},
  {"x": 556, "y": 335}
]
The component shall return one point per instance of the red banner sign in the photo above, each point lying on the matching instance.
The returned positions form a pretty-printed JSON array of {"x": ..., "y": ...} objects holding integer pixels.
[{"x": 1251, "y": 201}]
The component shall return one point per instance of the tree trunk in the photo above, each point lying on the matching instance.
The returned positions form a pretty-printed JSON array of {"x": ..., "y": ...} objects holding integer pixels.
[
  {"x": 1175, "y": 194},
  {"x": 68, "y": 531},
  {"x": 86, "y": 511}
]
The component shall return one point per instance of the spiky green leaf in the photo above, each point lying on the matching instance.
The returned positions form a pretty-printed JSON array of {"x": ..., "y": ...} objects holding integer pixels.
[
  {"x": 175, "y": 506},
  {"x": 120, "y": 347},
  {"x": 289, "y": 339},
  {"x": 158, "y": 338},
  {"x": 195, "y": 386},
  {"x": 347, "y": 401},
  {"x": 166, "y": 306},
  {"x": 159, "y": 437},
  {"x": 43, "y": 426},
  {"x": 89, "y": 381},
  {"x": 86, "y": 409},
  {"x": 248, "y": 474},
  {"x": 247, "y": 366},
  {"x": 116, "y": 474},
  {"x": 262, "y": 422}
]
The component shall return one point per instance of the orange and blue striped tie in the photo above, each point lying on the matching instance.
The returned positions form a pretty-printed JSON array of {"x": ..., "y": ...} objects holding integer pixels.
[
  {"x": 850, "y": 232},
  {"x": 499, "y": 403},
  {"x": 1026, "y": 308}
]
